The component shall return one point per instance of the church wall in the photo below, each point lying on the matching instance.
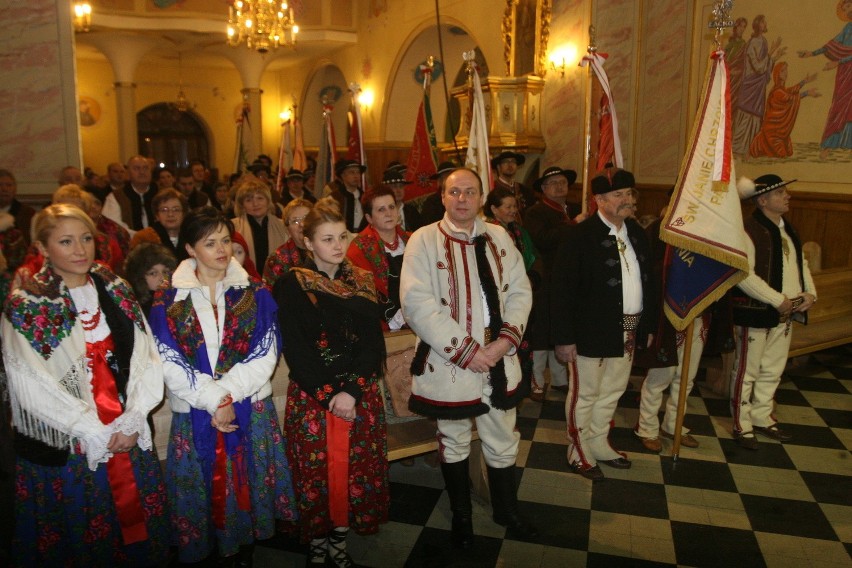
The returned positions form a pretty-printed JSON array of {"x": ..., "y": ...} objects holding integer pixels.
[{"x": 39, "y": 132}]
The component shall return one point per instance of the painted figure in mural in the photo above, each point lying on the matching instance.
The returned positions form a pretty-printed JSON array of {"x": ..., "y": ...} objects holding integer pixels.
[
  {"x": 735, "y": 55},
  {"x": 838, "y": 126},
  {"x": 760, "y": 56},
  {"x": 782, "y": 108}
]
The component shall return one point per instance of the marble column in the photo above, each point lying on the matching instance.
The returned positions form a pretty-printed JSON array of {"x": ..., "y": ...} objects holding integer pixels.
[
  {"x": 252, "y": 97},
  {"x": 250, "y": 65},
  {"x": 125, "y": 103},
  {"x": 124, "y": 52}
]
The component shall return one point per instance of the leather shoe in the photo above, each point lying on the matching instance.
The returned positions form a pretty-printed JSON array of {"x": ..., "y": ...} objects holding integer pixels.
[
  {"x": 618, "y": 463},
  {"x": 747, "y": 441},
  {"x": 592, "y": 473},
  {"x": 773, "y": 432},
  {"x": 652, "y": 444},
  {"x": 686, "y": 440},
  {"x": 537, "y": 396},
  {"x": 560, "y": 388}
]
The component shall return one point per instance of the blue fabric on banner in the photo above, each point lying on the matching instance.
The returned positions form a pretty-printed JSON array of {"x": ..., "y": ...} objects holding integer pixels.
[{"x": 691, "y": 277}]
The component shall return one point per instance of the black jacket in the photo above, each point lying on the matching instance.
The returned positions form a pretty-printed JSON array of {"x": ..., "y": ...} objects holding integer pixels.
[{"x": 586, "y": 297}]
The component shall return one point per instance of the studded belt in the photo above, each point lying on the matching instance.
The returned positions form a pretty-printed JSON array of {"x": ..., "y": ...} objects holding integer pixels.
[
  {"x": 487, "y": 339},
  {"x": 631, "y": 321}
]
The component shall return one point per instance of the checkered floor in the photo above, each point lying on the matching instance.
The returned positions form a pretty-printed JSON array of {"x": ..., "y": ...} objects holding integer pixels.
[{"x": 721, "y": 505}]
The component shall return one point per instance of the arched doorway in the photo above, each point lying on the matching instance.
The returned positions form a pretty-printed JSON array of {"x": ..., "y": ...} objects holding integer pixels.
[{"x": 171, "y": 137}]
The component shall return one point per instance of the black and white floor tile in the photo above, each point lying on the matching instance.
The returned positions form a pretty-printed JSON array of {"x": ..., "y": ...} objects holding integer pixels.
[{"x": 719, "y": 505}]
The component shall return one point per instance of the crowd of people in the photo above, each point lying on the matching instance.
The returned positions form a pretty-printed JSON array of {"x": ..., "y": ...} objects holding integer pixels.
[{"x": 123, "y": 289}]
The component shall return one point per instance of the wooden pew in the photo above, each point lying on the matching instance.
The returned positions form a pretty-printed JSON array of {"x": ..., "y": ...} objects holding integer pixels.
[
  {"x": 830, "y": 319},
  {"x": 829, "y": 325}
]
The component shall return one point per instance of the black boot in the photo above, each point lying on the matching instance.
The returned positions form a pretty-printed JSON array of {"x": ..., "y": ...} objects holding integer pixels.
[
  {"x": 504, "y": 501},
  {"x": 457, "y": 478}
]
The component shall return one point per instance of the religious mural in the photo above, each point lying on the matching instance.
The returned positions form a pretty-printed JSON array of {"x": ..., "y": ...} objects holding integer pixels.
[{"x": 791, "y": 88}]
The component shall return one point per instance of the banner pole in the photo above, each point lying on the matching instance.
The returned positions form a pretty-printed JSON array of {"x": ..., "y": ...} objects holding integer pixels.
[
  {"x": 587, "y": 140},
  {"x": 684, "y": 381}
]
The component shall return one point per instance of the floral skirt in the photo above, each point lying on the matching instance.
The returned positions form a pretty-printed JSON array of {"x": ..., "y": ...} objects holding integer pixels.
[
  {"x": 307, "y": 448},
  {"x": 270, "y": 489},
  {"x": 65, "y": 516}
]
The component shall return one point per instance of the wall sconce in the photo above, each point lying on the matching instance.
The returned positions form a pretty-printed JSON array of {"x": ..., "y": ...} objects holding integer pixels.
[
  {"x": 561, "y": 58},
  {"x": 82, "y": 16},
  {"x": 366, "y": 98},
  {"x": 286, "y": 115},
  {"x": 560, "y": 67}
]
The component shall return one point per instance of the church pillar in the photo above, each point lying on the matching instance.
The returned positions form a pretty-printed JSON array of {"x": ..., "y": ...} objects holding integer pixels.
[
  {"x": 125, "y": 103},
  {"x": 124, "y": 52}
]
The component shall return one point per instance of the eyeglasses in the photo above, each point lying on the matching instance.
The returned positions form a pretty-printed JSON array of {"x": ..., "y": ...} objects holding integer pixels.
[
  {"x": 167, "y": 210},
  {"x": 468, "y": 193},
  {"x": 296, "y": 221}
]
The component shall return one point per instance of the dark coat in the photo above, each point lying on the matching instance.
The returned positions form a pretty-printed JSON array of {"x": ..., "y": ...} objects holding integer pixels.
[
  {"x": 586, "y": 297},
  {"x": 413, "y": 220},
  {"x": 546, "y": 227},
  {"x": 432, "y": 209}
]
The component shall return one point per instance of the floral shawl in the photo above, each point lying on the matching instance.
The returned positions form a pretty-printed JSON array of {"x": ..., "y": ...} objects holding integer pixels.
[
  {"x": 44, "y": 349},
  {"x": 250, "y": 314},
  {"x": 368, "y": 252}
]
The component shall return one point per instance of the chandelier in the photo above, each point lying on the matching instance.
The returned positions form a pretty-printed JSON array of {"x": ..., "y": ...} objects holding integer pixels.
[
  {"x": 182, "y": 104},
  {"x": 261, "y": 24}
]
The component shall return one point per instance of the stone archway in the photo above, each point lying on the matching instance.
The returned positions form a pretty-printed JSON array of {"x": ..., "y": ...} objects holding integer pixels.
[
  {"x": 172, "y": 137},
  {"x": 404, "y": 92}
]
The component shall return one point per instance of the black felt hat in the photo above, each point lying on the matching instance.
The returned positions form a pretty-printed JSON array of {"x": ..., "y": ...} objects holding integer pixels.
[
  {"x": 443, "y": 168},
  {"x": 570, "y": 175},
  {"x": 346, "y": 164},
  {"x": 519, "y": 158},
  {"x": 620, "y": 179},
  {"x": 393, "y": 176},
  {"x": 764, "y": 184}
]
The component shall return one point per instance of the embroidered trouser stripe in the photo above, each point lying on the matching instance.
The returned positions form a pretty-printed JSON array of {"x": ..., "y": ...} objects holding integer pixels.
[
  {"x": 601, "y": 382},
  {"x": 575, "y": 447},
  {"x": 761, "y": 358}
]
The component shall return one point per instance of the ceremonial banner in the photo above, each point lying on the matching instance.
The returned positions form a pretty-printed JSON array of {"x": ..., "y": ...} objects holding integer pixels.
[
  {"x": 327, "y": 149},
  {"x": 244, "y": 148},
  {"x": 478, "y": 157},
  {"x": 284, "y": 157},
  {"x": 703, "y": 224},
  {"x": 300, "y": 161},
  {"x": 609, "y": 143},
  {"x": 356, "y": 135},
  {"x": 423, "y": 159}
]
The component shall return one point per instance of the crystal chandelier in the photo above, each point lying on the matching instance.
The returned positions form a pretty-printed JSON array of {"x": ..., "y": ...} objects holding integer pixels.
[{"x": 261, "y": 24}]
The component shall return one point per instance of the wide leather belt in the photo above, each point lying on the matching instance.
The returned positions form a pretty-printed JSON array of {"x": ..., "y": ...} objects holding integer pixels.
[{"x": 631, "y": 321}]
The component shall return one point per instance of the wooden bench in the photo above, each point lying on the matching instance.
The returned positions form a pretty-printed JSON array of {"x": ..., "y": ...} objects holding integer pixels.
[
  {"x": 830, "y": 319},
  {"x": 829, "y": 325}
]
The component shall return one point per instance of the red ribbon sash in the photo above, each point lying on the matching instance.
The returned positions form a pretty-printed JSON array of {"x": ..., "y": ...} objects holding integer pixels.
[
  {"x": 220, "y": 478},
  {"x": 128, "y": 506},
  {"x": 337, "y": 437}
]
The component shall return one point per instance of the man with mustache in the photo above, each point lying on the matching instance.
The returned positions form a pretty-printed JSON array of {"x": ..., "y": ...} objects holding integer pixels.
[{"x": 601, "y": 281}]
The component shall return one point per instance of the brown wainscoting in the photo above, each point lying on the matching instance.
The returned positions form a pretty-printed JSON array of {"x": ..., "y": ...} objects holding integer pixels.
[
  {"x": 35, "y": 200},
  {"x": 820, "y": 217}
]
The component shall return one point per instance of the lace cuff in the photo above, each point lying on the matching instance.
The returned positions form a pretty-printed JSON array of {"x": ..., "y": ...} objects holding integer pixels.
[
  {"x": 95, "y": 447},
  {"x": 132, "y": 422}
]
